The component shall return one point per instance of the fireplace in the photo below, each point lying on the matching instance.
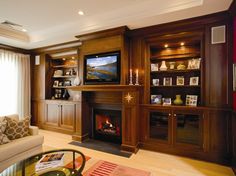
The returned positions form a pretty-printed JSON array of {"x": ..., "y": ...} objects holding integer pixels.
[{"x": 107, "y": 125}]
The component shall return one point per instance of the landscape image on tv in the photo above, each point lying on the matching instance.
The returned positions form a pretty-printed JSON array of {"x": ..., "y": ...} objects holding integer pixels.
[{"x": 102, "y": 68}]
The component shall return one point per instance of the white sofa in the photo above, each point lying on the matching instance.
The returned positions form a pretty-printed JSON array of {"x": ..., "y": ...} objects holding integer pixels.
[{"x": 21, "y": 148}]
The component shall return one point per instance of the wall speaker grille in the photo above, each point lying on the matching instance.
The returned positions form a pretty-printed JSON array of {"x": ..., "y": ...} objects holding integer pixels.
[{"x": 218, "y": 34}]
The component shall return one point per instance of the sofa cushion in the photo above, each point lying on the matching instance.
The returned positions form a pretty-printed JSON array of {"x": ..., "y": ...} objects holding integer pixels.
[
  {"x": 3, "y": 138},
  {"x": 17, "y": 129},
  {"x": 18, "y": 146}
]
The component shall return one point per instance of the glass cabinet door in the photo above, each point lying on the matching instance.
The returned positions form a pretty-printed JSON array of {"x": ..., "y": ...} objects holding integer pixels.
[
  {"x": 159, "y": 125},
  {"x": 188, "y": 128}
]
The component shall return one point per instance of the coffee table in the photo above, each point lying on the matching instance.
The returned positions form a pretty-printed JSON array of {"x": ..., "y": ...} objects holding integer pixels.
[{"x": 73, "y": 165}]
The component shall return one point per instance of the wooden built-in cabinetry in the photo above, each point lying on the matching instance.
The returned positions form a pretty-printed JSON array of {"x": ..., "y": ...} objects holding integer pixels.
[{"x": 201, "y": 132}]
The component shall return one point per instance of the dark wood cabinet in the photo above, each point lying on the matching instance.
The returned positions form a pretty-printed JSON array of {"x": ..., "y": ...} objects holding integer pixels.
[
  {"x": 175, "y": 128},
  {"x": 60, "y": 115}
]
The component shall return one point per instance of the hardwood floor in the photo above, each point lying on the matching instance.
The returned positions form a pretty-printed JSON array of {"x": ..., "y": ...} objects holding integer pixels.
[{"x": 158, "y": 164}]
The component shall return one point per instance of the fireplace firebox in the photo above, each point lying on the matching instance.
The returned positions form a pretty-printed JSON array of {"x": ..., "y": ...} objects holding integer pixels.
[{"x": 107, "y": 125}]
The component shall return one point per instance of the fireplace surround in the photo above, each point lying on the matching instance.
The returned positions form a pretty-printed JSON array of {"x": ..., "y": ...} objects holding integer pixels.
[{"x": 107, "y": 125}]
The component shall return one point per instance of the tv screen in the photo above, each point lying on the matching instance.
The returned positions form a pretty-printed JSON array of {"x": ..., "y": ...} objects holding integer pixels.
[{"x": 102, "y": 68}]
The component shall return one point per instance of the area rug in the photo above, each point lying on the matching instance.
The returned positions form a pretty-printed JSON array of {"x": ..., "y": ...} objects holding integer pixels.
[
  {"x": 78, "y": 162},
  {"x": 105, "y": 168},
  {"x": 103, "y": 147}
]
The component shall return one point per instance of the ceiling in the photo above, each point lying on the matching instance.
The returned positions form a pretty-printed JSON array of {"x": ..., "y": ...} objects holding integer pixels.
[{"x": 50, "y": 22}]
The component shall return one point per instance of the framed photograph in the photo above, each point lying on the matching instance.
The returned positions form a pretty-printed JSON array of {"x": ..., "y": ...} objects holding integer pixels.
[
  {"x": 166, "y": 101},
  {"x": 191, "y": 100},
  {"x": 167, "y": 81},
  {"x": 155, "y": 82},
  {"x": 55, "y": 83},
  {"x": 156, "y": 99},
  {"x": 154, "y": 67},
  {"x": 194, "y": 63},
  {"x": 193, "y": 81},
  {"x": 67, "y": 83},
  {"x": 180, "y": 80}
]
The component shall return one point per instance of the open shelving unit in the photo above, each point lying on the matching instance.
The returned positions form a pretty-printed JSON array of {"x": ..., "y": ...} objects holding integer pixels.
[
  {"x": 61, "y": 75},
  {"x": 166, "y": 83}
]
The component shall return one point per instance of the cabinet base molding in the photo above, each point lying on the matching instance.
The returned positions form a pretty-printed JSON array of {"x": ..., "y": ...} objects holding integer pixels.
[
  {"x": 56, "y": 129},
  {"x": 79, "y": 138},
  {"x": 129, "y": 148},
  {"x": 196, "y": 154}
]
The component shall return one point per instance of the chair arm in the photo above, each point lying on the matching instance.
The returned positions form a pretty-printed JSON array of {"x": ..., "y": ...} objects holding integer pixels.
[{"x": 33, "y": 130}]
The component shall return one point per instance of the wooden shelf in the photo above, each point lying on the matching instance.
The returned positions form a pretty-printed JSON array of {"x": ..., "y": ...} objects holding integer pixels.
[
  {"x": 61, "y": 87},
  {"x": 176, "y": 71},
  {"x": 113, "y": 88},
  {"x": 64, "y": 66},
  {"x": 70, "y": 76},
  {"x": 187, "y": 86},
  {"x": 176, "y": 57}
]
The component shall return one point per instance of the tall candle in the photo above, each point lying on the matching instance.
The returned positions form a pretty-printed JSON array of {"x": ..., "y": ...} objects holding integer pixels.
[
  {"x": 130, "y": 77},
  {"x": 136, "y": 82}
]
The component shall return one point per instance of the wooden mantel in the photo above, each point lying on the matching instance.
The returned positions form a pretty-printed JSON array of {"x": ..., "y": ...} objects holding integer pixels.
[
  {"x": 109, "y": 88},
  {"x": 129, "y": 100}
]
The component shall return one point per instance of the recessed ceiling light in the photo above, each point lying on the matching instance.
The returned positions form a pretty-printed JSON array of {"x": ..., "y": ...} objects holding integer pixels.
[
  {"x": 80, "y": 12},
  {"x": 166, "y": 45},
  {"x": 182, "y": 43},
  {"x": 24, "y": 30}
]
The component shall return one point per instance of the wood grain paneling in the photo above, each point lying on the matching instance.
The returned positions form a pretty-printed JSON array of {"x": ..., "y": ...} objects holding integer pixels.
[
  {"x": 52, "y": 114},
  {"x": 67, "y": 116}
]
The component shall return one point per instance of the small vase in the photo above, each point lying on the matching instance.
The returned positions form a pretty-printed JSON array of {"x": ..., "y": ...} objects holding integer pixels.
[
  {"x": 77, "y": 80},
  {"x": 163, "y": 66},
  {"x": 178, "y": 100}
]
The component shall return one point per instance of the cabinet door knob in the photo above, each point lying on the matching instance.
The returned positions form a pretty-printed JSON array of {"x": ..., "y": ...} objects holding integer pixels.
[
  {"x": 169, "y": 114},
  {"x": 174, "y": 115}
]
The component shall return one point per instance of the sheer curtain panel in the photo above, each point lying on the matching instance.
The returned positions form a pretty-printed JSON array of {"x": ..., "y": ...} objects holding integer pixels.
[{"x": 15, "y": 83}]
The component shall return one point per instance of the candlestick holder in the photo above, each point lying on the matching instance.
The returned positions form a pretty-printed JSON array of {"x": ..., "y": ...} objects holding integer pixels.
[
  {"x": 136, "y": 81},
  {"x": 131, "y": 80}
]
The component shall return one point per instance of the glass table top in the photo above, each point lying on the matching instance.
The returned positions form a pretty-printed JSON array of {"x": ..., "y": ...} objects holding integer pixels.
[{"x": 63, "y": 162}]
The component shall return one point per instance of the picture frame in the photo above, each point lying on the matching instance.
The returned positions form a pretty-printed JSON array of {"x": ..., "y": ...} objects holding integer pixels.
[
  {"x": 180, "y": 81},
  {"x": 167, "y": 81},
  {"x": 194, "y": 63},
  {"x": 166, "y": 101},
  {"x": 56, "y": 83},
  {"x": 191, "y": 100},
  {"x": 67, "y": 83},
  {"x": 154, "y": 67},
  {"x": 194, "y": 81},
  {"x": 155, "y": 82},
  {"x": 156, "y": 99}
]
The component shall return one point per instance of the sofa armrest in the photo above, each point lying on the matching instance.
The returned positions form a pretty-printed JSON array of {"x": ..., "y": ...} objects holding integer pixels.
[{"x": 33, "y": 130}]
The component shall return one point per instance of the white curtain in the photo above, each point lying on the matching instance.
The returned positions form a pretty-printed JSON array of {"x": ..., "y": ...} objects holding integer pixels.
[{"x": 14, "y": 83}]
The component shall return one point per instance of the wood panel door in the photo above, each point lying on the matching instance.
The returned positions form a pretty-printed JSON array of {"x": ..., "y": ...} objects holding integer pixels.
[
  {"x": 68, "y": 113},
  {"x": 188, "y": 129},
  {"x": 52, "y": 113}
]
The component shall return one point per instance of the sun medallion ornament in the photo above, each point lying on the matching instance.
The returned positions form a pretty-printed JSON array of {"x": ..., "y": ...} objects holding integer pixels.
[{"x": 128, "y": 97}]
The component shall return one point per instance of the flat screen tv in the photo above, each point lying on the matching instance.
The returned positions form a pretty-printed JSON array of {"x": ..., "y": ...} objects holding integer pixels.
[{"x": 102, "y": 68}]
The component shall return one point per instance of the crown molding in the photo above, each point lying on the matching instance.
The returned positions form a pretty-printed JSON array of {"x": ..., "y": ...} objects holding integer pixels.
[{"x": 8, "y": 32}]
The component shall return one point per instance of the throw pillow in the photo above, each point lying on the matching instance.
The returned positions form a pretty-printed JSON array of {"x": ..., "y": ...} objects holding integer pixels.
[
  {"x": 3, "y": 137},
  {"x": 17, "y": 128}
]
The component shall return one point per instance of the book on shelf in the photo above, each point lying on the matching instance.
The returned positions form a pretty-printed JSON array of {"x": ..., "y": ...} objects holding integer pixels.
[{"x": 49, "y": 161}]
